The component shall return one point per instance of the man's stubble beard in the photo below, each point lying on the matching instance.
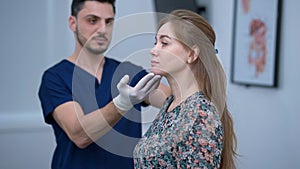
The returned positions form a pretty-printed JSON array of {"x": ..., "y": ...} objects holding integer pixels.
[{"x": 85, "y": 44}]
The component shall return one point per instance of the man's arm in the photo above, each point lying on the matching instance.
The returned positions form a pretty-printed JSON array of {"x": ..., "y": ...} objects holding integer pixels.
[{"x": 83, "y": 129}]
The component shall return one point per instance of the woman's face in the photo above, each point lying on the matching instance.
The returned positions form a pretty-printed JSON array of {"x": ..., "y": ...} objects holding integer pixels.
[{"x": 169, "y": 57}]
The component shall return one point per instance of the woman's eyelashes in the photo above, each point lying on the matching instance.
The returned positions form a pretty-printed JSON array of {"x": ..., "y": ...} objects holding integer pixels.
[{"x": 162, "y": 43}]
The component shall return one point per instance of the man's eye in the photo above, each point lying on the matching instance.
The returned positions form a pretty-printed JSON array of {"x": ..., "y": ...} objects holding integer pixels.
[
  {"x": 92, "y": 21},
  {"x": 109, "y": 21}
]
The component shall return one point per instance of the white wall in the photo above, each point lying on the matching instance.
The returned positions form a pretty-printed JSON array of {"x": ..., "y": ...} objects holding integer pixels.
[
  {"x": 25, "y": 142},
  {"x": 35, "y": 35},
  {"x": 266, "y": 120}
]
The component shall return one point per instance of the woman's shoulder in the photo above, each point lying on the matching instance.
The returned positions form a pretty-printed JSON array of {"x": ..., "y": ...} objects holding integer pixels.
[
  {"x": 198, "y": 103},
  {"x": 197, "y": 99}
]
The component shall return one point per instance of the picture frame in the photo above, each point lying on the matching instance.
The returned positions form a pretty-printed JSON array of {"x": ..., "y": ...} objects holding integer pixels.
[{"x": 255, "y": 49}]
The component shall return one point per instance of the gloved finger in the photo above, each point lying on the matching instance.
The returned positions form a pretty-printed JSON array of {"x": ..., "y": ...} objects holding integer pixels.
[
  {"x": 148, "y": 90},
  {"x": 152, "y": 84},
  {"x": 144, "y": 81},
  {"x": 123, "y": 82},
  {"x": 155, "y": 85}
]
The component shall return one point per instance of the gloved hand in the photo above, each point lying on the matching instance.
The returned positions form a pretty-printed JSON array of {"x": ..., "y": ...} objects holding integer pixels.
[{"x": 129, "y": 96}]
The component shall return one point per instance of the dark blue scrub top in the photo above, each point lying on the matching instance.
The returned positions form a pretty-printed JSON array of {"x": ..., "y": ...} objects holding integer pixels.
[{"x": 66, "y": 82}]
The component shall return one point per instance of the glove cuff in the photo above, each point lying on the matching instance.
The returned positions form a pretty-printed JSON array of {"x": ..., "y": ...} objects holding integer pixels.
[{"x": 121, "y": 105}]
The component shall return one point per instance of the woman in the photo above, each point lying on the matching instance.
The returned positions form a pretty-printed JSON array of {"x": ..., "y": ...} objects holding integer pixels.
[{"x": 194, "y": 129}]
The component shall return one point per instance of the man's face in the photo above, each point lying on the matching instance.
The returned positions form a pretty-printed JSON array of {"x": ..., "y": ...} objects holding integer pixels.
[{"x": 94, "y": 26}]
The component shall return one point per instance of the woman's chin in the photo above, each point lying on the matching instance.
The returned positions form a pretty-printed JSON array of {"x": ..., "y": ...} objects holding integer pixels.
[{"x": 157, "y": 71}]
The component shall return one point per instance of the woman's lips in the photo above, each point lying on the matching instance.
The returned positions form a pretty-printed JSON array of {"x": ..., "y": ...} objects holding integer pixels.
[{"x": 153, "y": 63}]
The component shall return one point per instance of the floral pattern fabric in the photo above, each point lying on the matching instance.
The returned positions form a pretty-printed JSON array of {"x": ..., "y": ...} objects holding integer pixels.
[{"x": 189, "y": 136}]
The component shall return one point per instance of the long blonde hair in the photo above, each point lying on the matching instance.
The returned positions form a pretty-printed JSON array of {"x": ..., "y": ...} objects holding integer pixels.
[{"x": 191, "y": 30}]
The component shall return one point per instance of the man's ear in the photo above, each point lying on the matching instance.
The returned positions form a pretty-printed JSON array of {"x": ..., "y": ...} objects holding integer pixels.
[
  {"x": 72, "y": 23},
  {"x": 195, "y": 50}
]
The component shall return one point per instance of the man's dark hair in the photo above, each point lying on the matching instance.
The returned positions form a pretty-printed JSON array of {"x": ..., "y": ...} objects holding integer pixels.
[{"x": 77, "y": 5}]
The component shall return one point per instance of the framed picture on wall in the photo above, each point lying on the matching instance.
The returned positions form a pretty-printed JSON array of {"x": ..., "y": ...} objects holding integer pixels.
[{"x": 256, "y": 42}]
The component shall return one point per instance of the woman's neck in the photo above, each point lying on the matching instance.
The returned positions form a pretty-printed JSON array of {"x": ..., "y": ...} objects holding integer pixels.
[{"x": 182, "y": 87}]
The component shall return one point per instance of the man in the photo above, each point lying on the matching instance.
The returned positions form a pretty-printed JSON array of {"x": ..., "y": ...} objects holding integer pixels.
[{"x": 83, "y": 97}]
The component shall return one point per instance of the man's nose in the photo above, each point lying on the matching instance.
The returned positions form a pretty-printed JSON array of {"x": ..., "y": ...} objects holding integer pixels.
[{"x": 102, "y": 27}]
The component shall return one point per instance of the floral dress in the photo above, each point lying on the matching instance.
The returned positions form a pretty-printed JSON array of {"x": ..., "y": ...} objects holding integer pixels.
[{"x": 189, "y": 136}]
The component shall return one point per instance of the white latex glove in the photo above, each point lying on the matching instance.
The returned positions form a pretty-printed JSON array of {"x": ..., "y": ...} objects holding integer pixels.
[{"x": 129, "y": 96}]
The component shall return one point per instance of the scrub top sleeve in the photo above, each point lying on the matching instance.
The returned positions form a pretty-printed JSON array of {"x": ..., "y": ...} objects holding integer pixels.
[{"x": 53, "y": 92}]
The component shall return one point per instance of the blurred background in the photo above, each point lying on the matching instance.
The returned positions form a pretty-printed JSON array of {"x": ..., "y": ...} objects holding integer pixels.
[{"x": 35, "y": 35}]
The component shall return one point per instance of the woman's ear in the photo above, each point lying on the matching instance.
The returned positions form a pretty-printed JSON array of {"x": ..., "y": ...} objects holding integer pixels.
[
  {"x": 72, "y": 23},
  {"x": 194, "y": 54}
]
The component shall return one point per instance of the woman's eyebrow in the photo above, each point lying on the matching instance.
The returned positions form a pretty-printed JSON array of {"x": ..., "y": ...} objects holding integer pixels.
[{"x": 164, "y": 36}]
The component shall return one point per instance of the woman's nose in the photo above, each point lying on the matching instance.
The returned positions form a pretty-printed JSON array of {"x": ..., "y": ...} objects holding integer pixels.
[{"x": 153, "y": 51}]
